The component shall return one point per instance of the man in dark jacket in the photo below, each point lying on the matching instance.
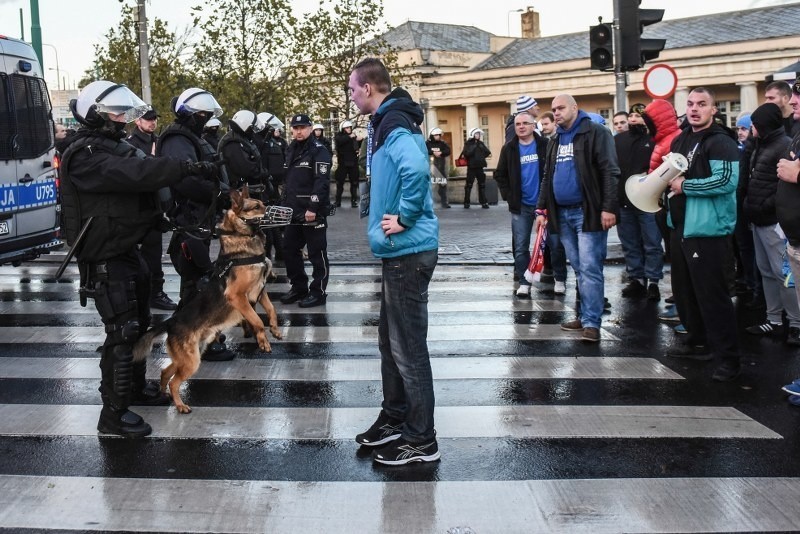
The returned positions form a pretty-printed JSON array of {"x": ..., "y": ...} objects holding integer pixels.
[
  {"x": 144, "y": 138},
  {"x": 518, "y": 176},
  {"x": 476, "y": 153},
  {"x": 346, "y": 163},
  {"x": 771, "y": 143},
  {"x": 242, "y": 158},
  {"x": 638, "y": 231},
  {"x": 702, "y": 214},
  {"x": 109, "y": 191},
  {"x": 579, "y": 192},
  {"x": 439, "y": 151},
  {"x": 308, "y": 194},
  {"x": 787, "y": 198}
]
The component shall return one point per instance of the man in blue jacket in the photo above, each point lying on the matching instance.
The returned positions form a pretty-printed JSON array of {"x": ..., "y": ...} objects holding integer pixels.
[{"x": 404, "y": 233}]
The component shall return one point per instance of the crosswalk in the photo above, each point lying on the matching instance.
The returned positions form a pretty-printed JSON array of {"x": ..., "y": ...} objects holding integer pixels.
[{"x": 538, "y": 431}]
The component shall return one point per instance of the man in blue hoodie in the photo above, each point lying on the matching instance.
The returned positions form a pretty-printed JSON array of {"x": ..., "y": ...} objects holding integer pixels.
[
  {"x": 404, "y": 233},
  {"x": 579, "y": 192}
]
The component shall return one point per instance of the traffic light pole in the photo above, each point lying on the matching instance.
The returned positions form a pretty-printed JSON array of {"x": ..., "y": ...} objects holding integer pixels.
[
  {"x": 144, "y": 55},
  {"x": 620, "y": 76}
]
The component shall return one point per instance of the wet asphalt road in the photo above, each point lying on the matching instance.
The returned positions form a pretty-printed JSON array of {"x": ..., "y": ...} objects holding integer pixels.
[{"x": 475, "y": 267}]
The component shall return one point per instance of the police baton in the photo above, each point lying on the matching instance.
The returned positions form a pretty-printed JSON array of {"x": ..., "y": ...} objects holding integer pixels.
[{"x": 74, "y": 247}]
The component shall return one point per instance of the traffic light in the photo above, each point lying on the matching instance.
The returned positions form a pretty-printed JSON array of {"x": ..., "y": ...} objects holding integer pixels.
[
  {"x": 632, "y": 20},
  {"x": 601, "y": 51}
]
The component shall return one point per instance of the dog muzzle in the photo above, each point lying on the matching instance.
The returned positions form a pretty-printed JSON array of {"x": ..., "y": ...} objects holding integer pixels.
[{"x": 273, "y": 217}]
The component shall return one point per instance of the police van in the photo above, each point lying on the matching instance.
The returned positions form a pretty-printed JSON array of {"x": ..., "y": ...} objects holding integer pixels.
[{"x": 29, "y": 196}]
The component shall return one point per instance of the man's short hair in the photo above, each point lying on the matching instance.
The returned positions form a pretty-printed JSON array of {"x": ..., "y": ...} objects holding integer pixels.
[
  {"x": 623, "y": 113},
  {"x": 781, "y": 86},
  {"x": 711, "y": 94},
  {"x": 548, "y": 115},
  {"x": 372, "y": 71}
]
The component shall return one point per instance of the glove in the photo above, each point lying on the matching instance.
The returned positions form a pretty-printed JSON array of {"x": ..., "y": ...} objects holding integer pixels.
[{"x": 204, "y": 168}]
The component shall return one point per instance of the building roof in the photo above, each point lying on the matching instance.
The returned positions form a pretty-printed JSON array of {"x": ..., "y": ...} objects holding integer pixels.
[
  {"x": 718, "y": 28},
  {"x": 434, "y": 36}
]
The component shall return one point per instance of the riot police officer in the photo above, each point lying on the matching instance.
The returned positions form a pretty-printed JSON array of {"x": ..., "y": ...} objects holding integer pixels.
[
  {"x": 273, "y": 159},
  {"x": 109, "y": 198},
  {"x": 307, "y": 193},
  {"x": 195, "y": 199},
  {"x": 346, "y": 162},
  {"x": 242, "y": 158},
  {"x": 211, "y": 132},
  {"x": 319, "y": 134}
]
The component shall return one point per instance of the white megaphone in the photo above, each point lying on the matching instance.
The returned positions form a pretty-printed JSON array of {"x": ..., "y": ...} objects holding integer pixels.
[{"x": 645, "y": 190}]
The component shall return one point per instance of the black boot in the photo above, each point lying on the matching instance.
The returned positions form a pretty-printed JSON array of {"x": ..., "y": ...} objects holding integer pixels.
[
  {"x": 116, "y": 370},
  {"x": 146, "y": 393},
  {"x": 482, "y": 196},
  {"x": 467, "y": 192},
  {"x": 354, "y": 196}
]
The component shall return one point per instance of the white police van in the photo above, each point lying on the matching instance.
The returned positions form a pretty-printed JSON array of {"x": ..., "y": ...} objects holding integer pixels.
[{"x": 29, "y": 196}]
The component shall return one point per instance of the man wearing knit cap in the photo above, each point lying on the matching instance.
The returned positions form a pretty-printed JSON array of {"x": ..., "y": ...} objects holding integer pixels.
[
  {"x": 524, "y": 103},
  {"x": 771, "y": 143},
  {"x": 743, "y": 124}
]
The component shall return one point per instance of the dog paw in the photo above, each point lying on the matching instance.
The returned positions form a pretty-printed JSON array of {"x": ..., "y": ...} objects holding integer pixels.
[
  {"x": 276, "y": 333},
  {"x": 182, "y": 408},
  {"x": 265, "y": 347}
]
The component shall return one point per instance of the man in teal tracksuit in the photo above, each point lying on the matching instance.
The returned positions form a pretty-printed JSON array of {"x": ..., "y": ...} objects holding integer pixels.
[{"x": 404, "y": 233}]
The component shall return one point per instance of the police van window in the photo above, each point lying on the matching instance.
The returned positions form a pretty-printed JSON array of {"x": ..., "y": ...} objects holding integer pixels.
[
  {"x": 34, "y": 125},
  {"x": 6, "y": 118}
]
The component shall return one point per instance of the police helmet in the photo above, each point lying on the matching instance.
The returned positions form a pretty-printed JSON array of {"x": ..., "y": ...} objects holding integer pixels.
[
  {"x": 270, "y": 120},
  {"x": 245, "y": 120},
  {"x": 196, "y": 100},
  {"x": 346, "y": 124},
  {"x": 101, "y": 98},
  {"x": 473, "y": 131},
  {"x": 213, "y": 123},
  {"x": 318, "y": 126},
  {"x": 435, "y": 131}
]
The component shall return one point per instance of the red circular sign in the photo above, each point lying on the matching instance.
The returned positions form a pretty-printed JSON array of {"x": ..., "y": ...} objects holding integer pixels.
[{"x": 660, "y": 81}]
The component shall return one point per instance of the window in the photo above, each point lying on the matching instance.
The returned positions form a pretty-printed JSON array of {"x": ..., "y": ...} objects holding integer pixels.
[
  {"x": 605, "y": 113},
  {"x": 30, "y": 128},
  {"x": 485, "y": 128},
  {"x": 730, "y": 109}
]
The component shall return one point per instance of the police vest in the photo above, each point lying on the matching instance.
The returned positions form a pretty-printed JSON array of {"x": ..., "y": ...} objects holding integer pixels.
[
  {"x": 251, "y": 152},
  {"x": 203, "y": 150}
]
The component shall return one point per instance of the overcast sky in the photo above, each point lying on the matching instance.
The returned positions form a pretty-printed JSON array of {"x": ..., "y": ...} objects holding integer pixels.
[{"x": 73, "y": 27}]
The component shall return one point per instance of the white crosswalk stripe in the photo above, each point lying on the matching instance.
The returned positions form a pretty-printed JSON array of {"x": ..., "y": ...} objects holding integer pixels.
[{"x": 506, "y": 388}]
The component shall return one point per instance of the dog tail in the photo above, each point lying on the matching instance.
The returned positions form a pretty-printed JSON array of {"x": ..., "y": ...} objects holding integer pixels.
[{"x": 144, "y": 346}]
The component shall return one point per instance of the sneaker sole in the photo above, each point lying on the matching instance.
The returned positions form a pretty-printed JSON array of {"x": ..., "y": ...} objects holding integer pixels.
[
  {"x": 378, "y": 443},
  {"x": 789, "y": 391},
  {"x": 695, "y": 357},
  {"x": 430, "y": 458},
  {"x": 590, "y": 339}
]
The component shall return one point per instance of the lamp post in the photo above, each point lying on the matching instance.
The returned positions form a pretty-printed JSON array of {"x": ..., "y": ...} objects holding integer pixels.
[
  {"x": 68, "y": 82},
  {"x": 508, "y": 19},
  {"x": 58, "y": 71}
]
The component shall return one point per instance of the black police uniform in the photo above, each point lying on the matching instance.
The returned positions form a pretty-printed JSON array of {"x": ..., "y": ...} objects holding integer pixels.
[
  {"x": 244, "y": 165},
  {"x": 194, "y": 207},
  {"x": 211, "y": 137},
  {"x": 346, "y": 166},
  {"x": 151, "y": 246},
  {"x": 307, "y": 189},
  {"x": 273, "y": 160},
  {"x": 106, "y": 178}
]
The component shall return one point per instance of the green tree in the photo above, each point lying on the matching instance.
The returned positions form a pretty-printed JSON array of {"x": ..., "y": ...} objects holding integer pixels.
[
  {"x": 117, "y": 59},
  {"x": 329, "y": 42},
  {"x": 242, "y": 52}
]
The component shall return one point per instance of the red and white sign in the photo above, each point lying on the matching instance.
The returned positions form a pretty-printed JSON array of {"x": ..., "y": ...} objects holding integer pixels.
[{"x": 660, "y": 81}]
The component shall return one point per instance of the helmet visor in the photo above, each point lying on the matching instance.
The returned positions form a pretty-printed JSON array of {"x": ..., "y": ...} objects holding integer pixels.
[
  {"x": 202, "y": 101},
  {"x": 121, "y": 101}
]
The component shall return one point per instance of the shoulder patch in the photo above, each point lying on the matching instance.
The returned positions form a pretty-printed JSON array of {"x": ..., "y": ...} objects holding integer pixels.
[{"x": 323, "y": 167}]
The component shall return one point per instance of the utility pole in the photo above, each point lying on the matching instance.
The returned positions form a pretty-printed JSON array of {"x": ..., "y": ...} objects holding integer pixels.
[
  {"x": 21, "y": 26},
  {"x": 620, "y": 76},
  {"x": 36, "y": 32},
  {"x": 144, "y": 55}
]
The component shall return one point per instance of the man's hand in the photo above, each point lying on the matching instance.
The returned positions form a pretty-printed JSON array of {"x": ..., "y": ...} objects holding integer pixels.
[
  {"x": 789, "y": 169},
  {"x": 676, "y": 185},
  {"x": 310, "y": 216},
  {"x": 608, "y": 219},
  {"x": 203, "y": 168},
  {"x": 390, "y": 226},
  {"x": 540, "y": 220}
]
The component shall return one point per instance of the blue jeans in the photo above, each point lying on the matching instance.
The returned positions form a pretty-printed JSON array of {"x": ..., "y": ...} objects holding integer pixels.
[
  {"x": 586, "y": 252},
  {"x": 403, "y": 343},
  {"x": 521, "y": 228},
  {"x": 641, "y": 244},
  {"x": 558, "y": 259}
]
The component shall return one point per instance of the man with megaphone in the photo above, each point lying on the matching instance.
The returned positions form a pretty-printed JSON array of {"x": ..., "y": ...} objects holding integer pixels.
[{"x": 702, "y": 211}]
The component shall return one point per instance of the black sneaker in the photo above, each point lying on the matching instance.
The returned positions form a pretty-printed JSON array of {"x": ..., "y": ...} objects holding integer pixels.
[
  {"x": 653, "y": 293},
  {"x": 161, "y": 301},
  {"x": 766, "y": 329},
  {"x": 402, "y": 452},
  {"x": 634, "y": 290},
  {"x": 794, "y": 336},
  {"x": 123, "y": 423},
  {"x": 217, "y": 352},
  {"x": 691, "y": 352},
  {"x": 382, "y": 431}
]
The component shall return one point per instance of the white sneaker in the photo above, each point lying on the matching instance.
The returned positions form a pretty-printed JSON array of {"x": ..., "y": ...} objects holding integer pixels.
[
  {"x": 523, "y": 291},
  {"x": 560, "y": 288}
]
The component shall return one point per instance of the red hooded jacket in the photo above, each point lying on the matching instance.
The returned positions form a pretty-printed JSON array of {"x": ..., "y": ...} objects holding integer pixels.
[{"x": 666, "y": 121}]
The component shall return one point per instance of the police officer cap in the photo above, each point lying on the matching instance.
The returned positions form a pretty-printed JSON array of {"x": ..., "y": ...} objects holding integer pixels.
[
  {"x": 151, "y": 114},
  {"x": 301, "y": 120}
]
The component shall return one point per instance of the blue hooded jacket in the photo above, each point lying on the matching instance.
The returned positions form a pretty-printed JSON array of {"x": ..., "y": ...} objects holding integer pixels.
[{"x": 400, "y": 182}]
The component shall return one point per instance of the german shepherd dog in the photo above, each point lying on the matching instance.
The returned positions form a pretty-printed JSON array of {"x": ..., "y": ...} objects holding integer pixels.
[{"x": 228, "y": 299}]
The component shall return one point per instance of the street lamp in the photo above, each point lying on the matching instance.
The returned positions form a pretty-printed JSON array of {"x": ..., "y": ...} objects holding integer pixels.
[
  {"x": 68, "y": 82},
  {"x": 58, "y": 71},
  {"x": 508, "y": 19}
]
